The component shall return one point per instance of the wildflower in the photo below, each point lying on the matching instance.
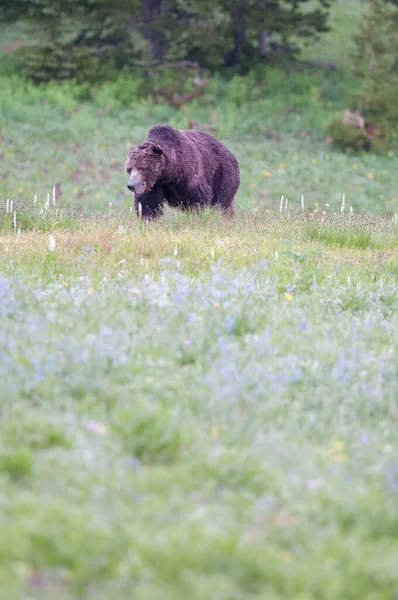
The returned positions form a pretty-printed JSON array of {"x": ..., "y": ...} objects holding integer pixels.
[
  {"x": 295, "y": 157},
  {"x": 314, "y": 161},
  {"x": 354, "y": 166},
  {"x": 384, "y": 172},
  {"x": 217, "y": 305},
  {"x": 288, "y": 296},
  {"x": 254, "y": 201},
  {"x": 64, "y": 167},
  {"x": 253, "y": 186},
  {"x": 313, "y": 484},
  {"x": 341, "y": 457},
  {"x": 393, "y": 199},
  {"x": 215, "y": 452},
  {"x": 97, "y": 195},
  {"x": 97, "y": 130},
  {"x": 336, "y": 451},
  {"x": 102, "y": 147},
  {"x": 267, "y": 174},
  {"x": 371, "y": 176},
  {"x": 286, "y": 556},
  {"x": 337, "y": 445},
  {"x": 390, "y": 153},
  {"x": 90, "y": 291},
  {"x": 364, "y": 438},
  {"x": 96, "y": 427},
  {"x": 303, "y": 324},
  {"x": 75, "y": 190},
  {"x": 65, "y": 284},
  {"x": 214, "y": 432},
  {"x": 51, "y": 243},
  {"x": 282, "y": 166}
]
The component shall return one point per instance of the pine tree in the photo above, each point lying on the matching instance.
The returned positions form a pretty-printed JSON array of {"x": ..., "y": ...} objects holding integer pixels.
[{"x": 376, "y": 63}]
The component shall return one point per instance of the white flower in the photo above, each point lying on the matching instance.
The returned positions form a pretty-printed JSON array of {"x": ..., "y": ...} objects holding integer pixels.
[{"x": 51, "y": 243}]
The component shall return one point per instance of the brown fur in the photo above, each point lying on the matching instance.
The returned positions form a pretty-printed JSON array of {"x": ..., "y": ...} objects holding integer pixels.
[{"x": 188, "y": 169}]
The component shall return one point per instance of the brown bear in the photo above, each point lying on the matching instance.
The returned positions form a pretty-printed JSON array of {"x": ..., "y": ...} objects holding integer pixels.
[{"x": 189, "y": 169}]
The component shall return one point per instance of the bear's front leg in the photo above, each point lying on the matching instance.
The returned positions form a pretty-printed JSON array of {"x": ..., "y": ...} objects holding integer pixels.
[{"x": 150, "y": 204}]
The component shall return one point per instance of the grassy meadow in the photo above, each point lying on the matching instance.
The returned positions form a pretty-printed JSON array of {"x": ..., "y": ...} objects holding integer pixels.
[{"x": 199, "y": 407}]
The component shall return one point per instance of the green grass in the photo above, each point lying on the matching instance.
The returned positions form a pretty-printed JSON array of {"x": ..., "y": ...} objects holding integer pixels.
[
  {"x": 199, "y": 407},
  {"x": 49, "y": 137}
]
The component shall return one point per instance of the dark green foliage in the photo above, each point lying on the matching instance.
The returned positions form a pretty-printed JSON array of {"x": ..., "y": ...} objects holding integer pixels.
[
  {"x": 349, "y": 137},
  {"x": 16, "y": 463},
  {"x": 376, "y": 65},
  {"x": 93, "y": 39},
  {"x": 84, "y": 41}
]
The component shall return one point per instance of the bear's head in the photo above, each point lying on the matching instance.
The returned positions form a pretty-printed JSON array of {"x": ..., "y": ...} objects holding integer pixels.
[{"x": 144, "y": 165}]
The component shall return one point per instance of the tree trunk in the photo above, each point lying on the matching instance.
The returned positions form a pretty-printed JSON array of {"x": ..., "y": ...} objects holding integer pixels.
[
  {"x": 263, "y": 43},
  {"x": 152, "y": 10},
  {"x": 239, "y": 31}
]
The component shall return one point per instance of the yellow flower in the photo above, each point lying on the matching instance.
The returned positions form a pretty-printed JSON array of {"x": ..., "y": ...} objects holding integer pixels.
[
  {"x": 102, "y": 147},
  {"x": 355, "y": 166},
  {"x": 341, "y": 457},
  {"x": 295, "y": 157},
  {"x": 253, "y": 186},
  {"x": 337, "y": 444},
  {"x": 393, "y": 199},
  {"x": 214, "y": 432},
  {"x": 288, "y": 296},
  {"x": 75, "y": 190},
  {"x": 314, "y": 161},
  {"x": 336, "y": 451},
  {"x": 390, "y": 153},
  {"x": 254, "y": 201},
  {"x": 65, "y": 284},
  {"x": 97, "y": 195},
  {"x": 101, "y": 429},
  {"x": 90, "y": 291},
  {"x": 64, "y": 167},
  {"x": 286, "y": 556},
  {"x": 371, "y": 176},
  {"x": 384, "y": 172},
  {"x": 282, "y": 166},
  {"x": 217, "y": 305},
  {"x": 20, "y": 190},
  {"x": 267, "y": 174}
]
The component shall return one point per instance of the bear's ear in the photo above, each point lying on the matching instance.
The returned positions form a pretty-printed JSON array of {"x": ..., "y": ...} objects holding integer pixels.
[{"x": 157, "y": 150}]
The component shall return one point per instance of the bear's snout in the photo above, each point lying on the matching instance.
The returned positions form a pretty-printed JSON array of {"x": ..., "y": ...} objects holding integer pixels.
[{"x": 136, "y": 184}]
